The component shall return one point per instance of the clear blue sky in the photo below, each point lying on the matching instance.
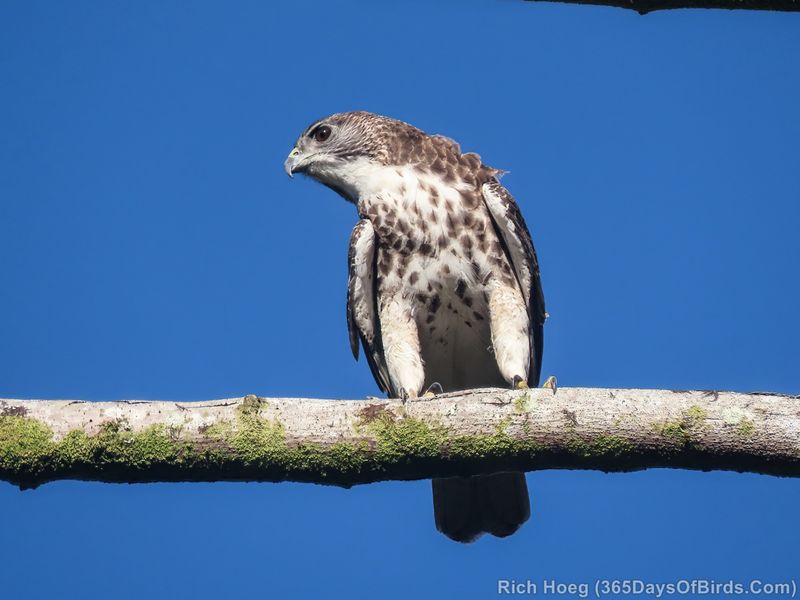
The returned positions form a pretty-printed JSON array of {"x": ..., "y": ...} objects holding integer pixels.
[{"x": 151, "y": 246}]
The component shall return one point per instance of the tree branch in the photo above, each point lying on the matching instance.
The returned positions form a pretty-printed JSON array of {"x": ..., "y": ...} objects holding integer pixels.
[
  {"x": 349, "y": 442},
  {"x": 646, "y": 6}
]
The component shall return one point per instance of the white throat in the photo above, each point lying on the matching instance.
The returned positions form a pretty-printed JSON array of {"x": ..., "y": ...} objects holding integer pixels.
[{"x": 361, "y": 178}]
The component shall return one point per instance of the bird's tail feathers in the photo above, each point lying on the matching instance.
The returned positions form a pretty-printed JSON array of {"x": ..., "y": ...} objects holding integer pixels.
[{"x": 467, "y": 507}]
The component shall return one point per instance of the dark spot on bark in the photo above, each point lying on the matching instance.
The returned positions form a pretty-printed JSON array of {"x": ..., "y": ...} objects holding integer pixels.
[
  {"x": 376, "y": 411},
  {"x": 12, "y": 411}
]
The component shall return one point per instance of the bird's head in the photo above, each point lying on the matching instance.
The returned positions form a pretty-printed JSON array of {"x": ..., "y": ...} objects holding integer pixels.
[{"x": 341, "y": 151}]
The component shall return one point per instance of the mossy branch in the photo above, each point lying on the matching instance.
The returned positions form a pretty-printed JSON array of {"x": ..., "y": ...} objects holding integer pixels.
[
  {"x": 349, "y": 442},
  {"x": 646, "y": 6}
]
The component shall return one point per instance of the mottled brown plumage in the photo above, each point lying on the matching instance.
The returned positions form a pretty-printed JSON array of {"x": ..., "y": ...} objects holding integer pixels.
[{"x": 443, "y": 284}]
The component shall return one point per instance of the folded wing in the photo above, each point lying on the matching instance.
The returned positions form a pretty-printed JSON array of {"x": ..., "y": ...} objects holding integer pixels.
[
  {"x": 362, "y": 308},
  {"x": 519, "y": 249}
]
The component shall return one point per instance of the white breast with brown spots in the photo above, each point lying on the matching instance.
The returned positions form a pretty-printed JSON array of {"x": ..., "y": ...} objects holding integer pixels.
[{"x": 449, "y": 304}]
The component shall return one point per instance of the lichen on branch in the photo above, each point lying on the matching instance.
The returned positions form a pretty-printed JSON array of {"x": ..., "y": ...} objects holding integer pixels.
[{"x": 350, "y": 442}]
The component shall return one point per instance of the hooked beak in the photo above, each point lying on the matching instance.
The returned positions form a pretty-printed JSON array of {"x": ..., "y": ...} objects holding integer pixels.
[{"x": 292, "y": 161}]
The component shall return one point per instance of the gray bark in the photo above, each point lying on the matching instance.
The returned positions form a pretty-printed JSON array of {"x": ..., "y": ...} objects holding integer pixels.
[{"x": 347, "y": 442}]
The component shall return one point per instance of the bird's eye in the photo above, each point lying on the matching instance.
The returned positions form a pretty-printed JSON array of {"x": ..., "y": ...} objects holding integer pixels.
[{"x": 322, "y": 133}]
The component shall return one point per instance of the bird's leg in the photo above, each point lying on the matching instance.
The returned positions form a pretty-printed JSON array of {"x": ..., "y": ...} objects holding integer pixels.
[
  {"x": 508, "y": 318},
  {"x": 404, "y": 395},
  {"x": 401, "y": 347},
  {"x": 551, "y": 383}
]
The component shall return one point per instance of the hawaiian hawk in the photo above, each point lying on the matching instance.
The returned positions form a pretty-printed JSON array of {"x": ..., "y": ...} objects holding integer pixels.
[{"x": 443, "y": 283}]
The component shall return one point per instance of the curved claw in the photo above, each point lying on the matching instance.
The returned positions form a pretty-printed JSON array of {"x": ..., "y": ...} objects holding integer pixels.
[
  {"x": 551, "y": 383},
  {"x": 433, "y": 389},
  {"x": 405, "y": 396},
  {"x": 520, "y": 383}
]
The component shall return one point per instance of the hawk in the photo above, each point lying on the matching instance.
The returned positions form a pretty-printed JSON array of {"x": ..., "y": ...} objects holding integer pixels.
[{"x": 443, "y": 290}]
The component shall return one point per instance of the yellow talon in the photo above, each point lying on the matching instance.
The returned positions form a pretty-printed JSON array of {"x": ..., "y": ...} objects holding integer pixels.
[
  {"x": 551, "y": 383},
  {"x": 430, "y": 393},
  {"x": 521, "y": 385}
]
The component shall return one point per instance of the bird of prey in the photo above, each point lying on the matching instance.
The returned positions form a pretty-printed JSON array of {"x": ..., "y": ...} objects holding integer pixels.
[{"x": 443, "y": 291}]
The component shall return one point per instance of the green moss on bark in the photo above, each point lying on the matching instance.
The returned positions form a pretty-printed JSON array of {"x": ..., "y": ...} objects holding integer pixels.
[
  {"x": 600, "y": 446},
  {"x": 746, "y": 427},
  {"x": 680, "y": 431},
  {"x": 24, "y": 444},
  {"x": 255, "y": 446},
  {"x": 523, "y": 403},
  {"x": 28, "y": 451}
]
